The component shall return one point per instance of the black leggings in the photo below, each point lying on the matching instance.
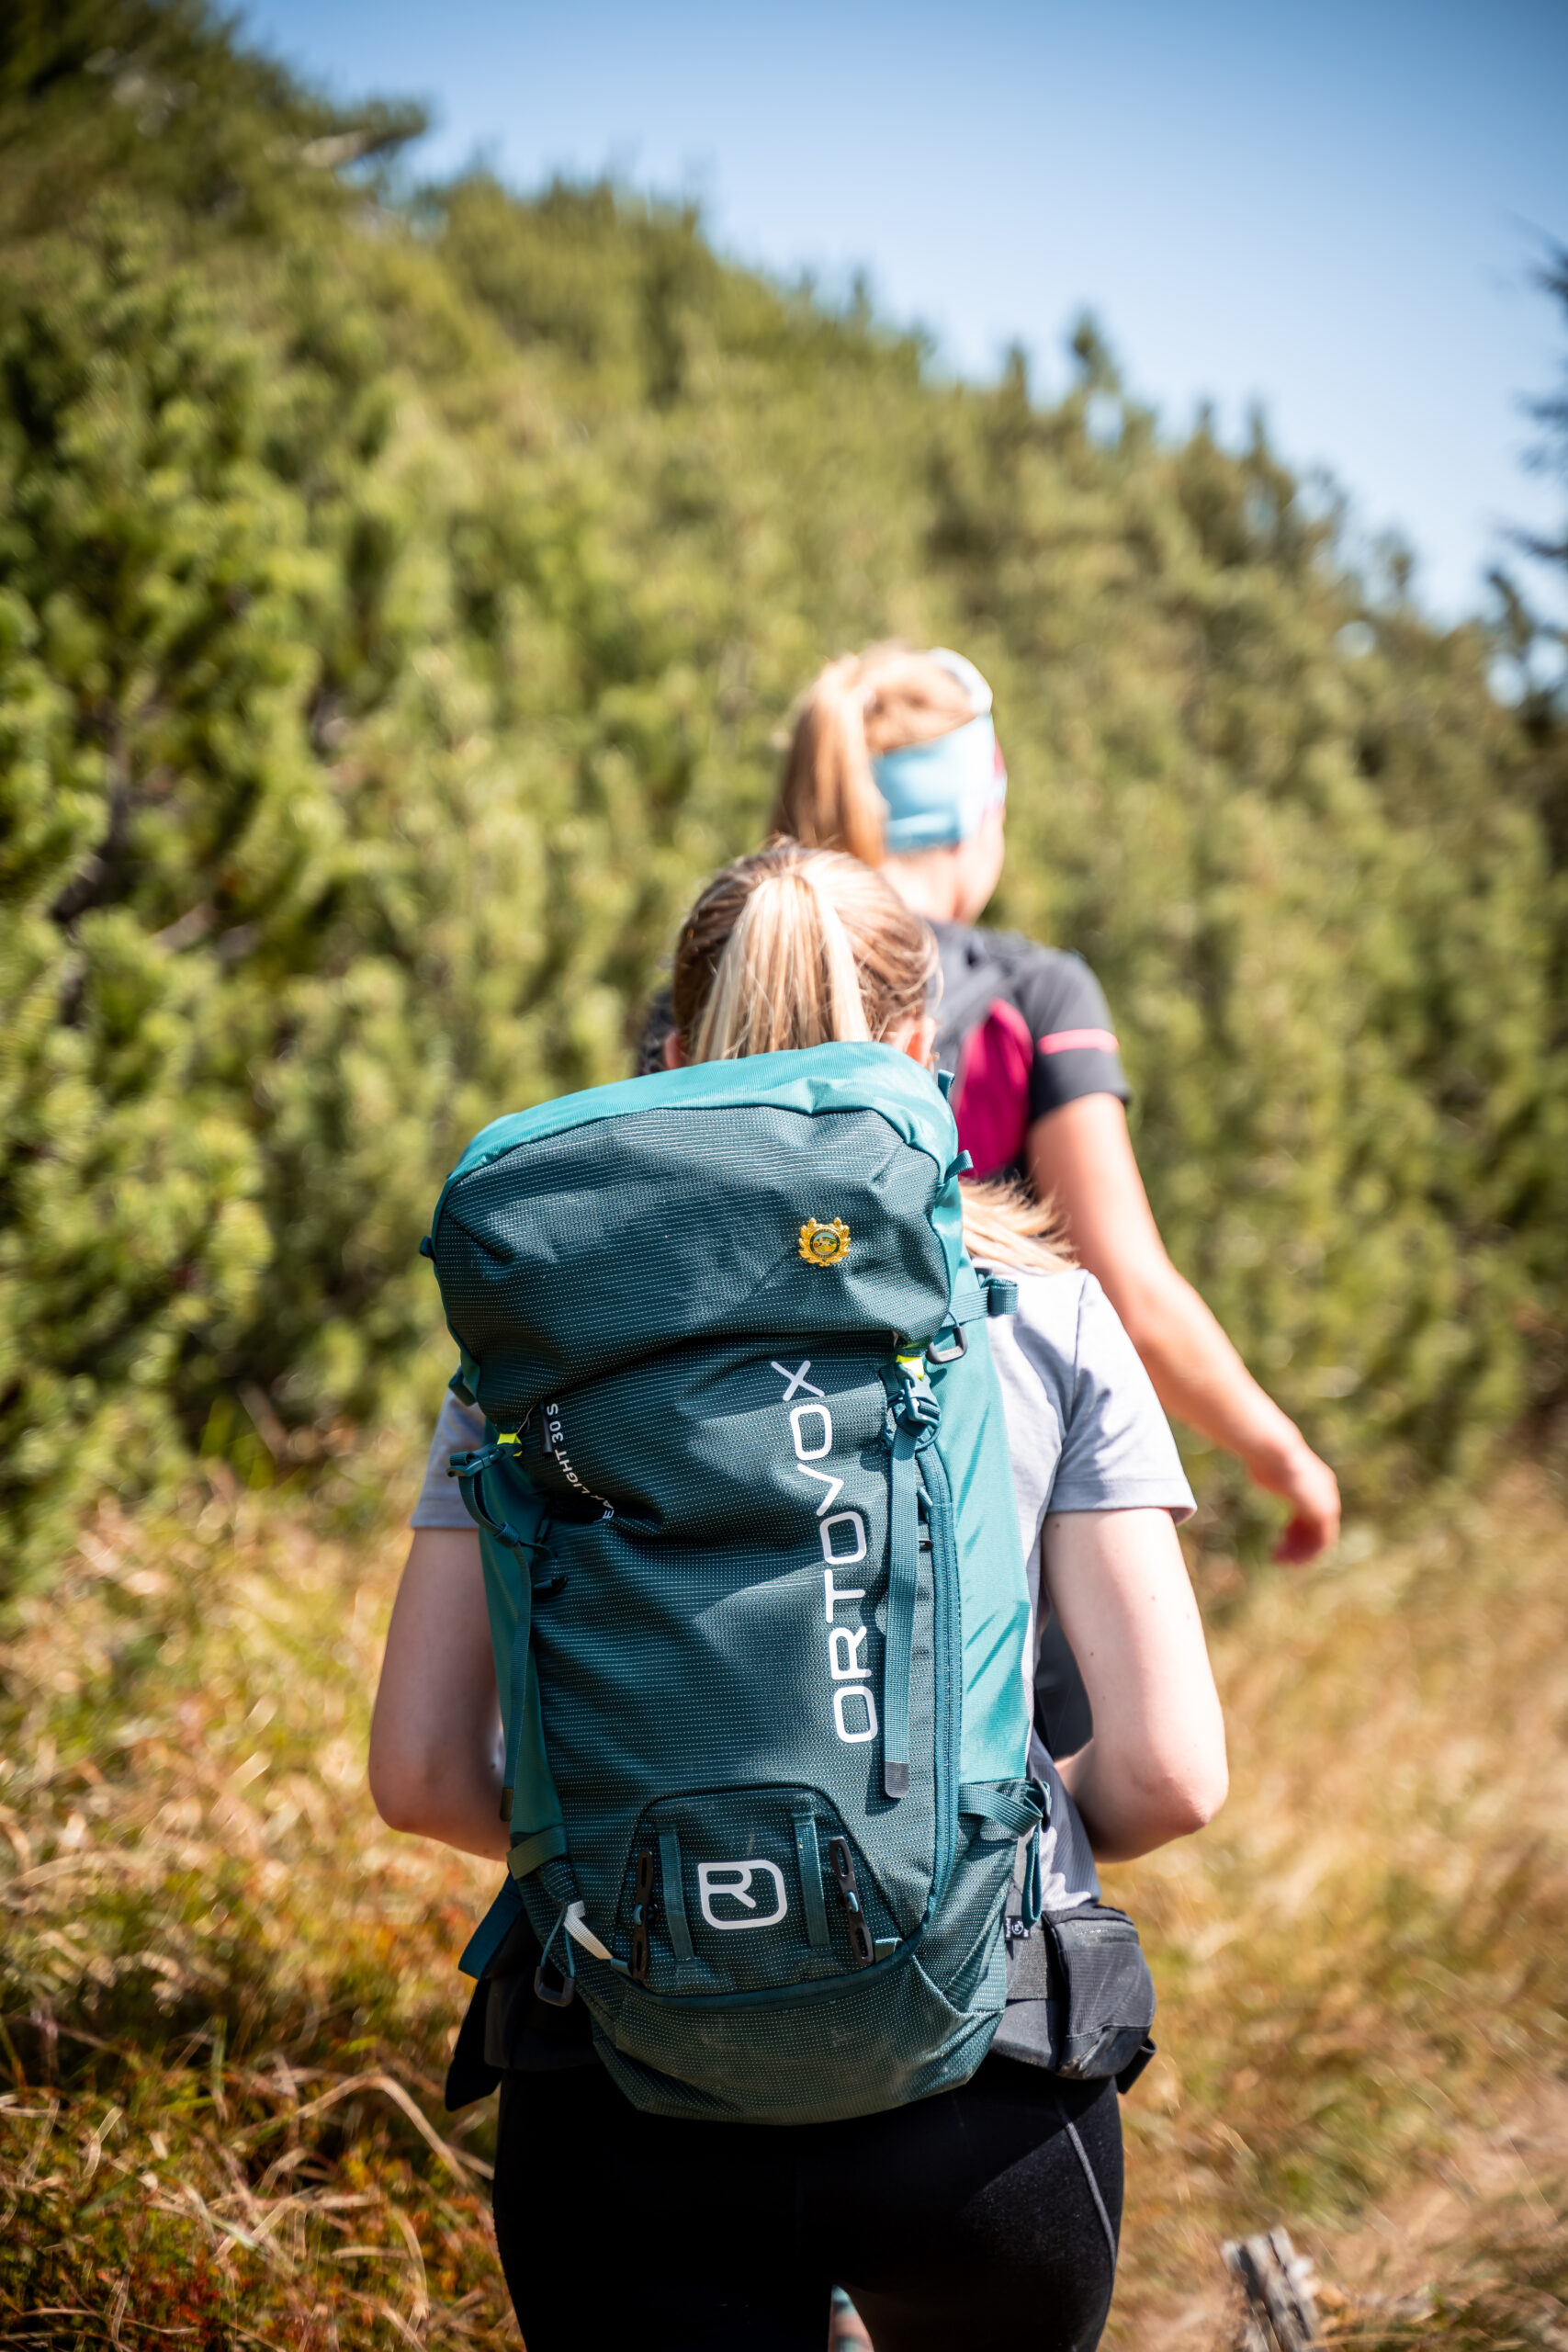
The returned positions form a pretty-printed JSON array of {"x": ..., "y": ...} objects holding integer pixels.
[{"x": 990, "y": 2213}]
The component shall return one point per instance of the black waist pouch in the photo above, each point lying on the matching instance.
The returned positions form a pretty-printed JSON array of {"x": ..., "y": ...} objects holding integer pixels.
[{"x": 1080, "y": 1999}]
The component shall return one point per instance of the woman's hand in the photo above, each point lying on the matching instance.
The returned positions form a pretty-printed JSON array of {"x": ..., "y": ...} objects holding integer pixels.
[
  {"x": 1081, "y": 1157},
  {"x": 436, "y": 1735},
  {"x": 1156, "y": 1767},
  {"x": 1309, "y": 1486}
]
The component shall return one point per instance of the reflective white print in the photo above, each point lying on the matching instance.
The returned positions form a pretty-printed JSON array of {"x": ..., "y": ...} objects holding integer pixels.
[
  {"x": 842, "y": 1535},
  {"x": 731, "y": 1882}
]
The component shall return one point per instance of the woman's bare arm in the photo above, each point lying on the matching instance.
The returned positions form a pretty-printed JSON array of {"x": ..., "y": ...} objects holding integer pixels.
[
  {"x": 436, "y": 1735},
  {"x": 1082, "y": 1156},
  {"x": 1156, "y": 1767}
]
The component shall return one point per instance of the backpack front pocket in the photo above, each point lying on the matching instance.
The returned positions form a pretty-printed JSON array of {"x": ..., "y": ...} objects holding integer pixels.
[
  {"x": 844, "y": 2047},
  {"x": 738, "y": 1891}
]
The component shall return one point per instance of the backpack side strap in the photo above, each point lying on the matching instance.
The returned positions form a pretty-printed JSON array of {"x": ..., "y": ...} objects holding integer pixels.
[
  {"x": 975, "y": 1297},
  {"x": 1019, "y": 1807},
  {"x": 468, "y": 1469}
]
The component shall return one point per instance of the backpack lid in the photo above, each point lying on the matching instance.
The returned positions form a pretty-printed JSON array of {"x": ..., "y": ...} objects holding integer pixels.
[{"x": 809, "y": 1194}]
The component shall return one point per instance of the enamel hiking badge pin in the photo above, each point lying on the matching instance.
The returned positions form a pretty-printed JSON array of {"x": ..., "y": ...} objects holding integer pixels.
[{"x": 824, "y": 1245}]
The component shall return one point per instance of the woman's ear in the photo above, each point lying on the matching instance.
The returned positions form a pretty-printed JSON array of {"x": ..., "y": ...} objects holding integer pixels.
[
  {"x": 674, "y": 1051},
  {"x": 918, "y": 1041}
]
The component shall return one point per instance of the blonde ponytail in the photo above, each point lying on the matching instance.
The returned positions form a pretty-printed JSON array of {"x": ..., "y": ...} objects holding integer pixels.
[
  {"x": 857, "y": 708},
  {"x": 798, "y": 947},
  {"x": 1004, "y": 1227},
  {"x": 828, "y": 798},
  {"x": 786, "y": 976}
]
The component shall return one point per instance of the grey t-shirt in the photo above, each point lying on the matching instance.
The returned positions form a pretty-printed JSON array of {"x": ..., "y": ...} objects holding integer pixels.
[{"x": 1085, "y": 1432}]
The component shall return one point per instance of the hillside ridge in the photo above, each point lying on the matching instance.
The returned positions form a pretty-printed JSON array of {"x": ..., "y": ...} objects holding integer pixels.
[{"x": 400, "y": 592}]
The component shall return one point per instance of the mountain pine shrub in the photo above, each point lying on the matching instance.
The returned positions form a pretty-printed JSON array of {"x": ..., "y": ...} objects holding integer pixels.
[{"x": 400, "y": 592}]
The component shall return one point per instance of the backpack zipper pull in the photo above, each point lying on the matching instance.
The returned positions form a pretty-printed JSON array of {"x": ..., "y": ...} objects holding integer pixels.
[
  {"x": 642, "y": 1917},
  {"x": 842, "y": 1862}
]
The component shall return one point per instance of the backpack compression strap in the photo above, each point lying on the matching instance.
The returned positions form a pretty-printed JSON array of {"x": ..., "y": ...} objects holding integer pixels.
[
  {"x": 1021, "y": 1810},
  {"x": 468, "y": 1470},
  {"x": 915, "y": 1413}
]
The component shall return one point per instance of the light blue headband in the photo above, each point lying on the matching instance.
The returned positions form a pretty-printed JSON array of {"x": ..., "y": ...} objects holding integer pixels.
[{"x": 940, "y": 791}]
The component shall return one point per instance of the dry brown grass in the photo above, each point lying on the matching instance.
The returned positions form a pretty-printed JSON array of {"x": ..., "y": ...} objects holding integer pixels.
[
  {"x": 1364, "y": 1963},
  {"x": 229, "y": 1994}
]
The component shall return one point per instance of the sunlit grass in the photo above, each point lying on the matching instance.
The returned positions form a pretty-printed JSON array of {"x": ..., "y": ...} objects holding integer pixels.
[
  {"x": 229, "y": 1994},
  {"x": 1364, "y": 1962}
]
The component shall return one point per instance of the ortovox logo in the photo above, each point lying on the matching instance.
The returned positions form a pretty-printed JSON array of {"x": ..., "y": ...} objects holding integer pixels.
[
  {"x": 731, "y": 1882},
  {"x": 843, "y": 1536},
  {"x": 824, "y": 1245}
]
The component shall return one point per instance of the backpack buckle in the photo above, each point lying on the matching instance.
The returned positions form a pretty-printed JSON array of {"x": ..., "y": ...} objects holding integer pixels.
[
  {"x": 565, "y": 1978},
  {"x": 560, "y": 1999},
  {"x": 916, "y": 1403}
]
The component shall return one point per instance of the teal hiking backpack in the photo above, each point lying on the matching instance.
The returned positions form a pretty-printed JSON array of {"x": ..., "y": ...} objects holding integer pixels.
[{"x": 754, "y": 1577}]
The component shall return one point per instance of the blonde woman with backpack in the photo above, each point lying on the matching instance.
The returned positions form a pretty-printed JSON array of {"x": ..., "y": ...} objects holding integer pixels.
[{"x": 765, "y": 1634}]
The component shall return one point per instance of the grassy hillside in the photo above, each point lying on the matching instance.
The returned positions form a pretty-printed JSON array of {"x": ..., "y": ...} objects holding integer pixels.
[
  {"x": 400, "y": 595},
  {"x": 228, "y": 1994}
]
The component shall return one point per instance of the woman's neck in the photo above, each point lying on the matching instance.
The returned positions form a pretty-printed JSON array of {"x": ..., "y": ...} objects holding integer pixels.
[
  {"x": 931, "y": 883},
  {"x": 953, "y": 883}
]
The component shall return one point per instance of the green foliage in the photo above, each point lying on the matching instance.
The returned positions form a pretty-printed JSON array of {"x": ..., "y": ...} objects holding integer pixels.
[
  {"x": 1537, "y": 644},
  {"x": 399, "y": 598},
  {"x": 1286, "y": 825}
]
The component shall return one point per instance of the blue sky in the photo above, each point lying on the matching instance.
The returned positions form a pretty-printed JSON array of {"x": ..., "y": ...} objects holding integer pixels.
[{"x": 1331, "y": 209}]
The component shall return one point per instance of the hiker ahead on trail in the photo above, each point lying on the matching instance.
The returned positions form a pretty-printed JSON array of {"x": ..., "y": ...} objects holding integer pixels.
[{"x": 895, "y": 758}]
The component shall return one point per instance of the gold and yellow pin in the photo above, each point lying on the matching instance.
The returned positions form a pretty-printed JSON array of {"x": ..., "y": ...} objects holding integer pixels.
[{"x": 824, "y": 1245}]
